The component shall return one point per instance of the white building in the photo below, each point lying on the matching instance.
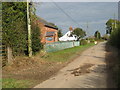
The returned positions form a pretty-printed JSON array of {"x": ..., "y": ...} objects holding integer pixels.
[{"x": 68, "y": 36}]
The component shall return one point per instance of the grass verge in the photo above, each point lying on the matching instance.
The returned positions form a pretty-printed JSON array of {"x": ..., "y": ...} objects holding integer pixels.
[
  {"x": 63, "y": 56},
  {"x": 66, "y": 54},
  {"x": 14, "y": 83}
]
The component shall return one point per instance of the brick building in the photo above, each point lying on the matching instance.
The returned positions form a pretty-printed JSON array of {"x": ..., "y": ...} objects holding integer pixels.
[{"x": 48, "y": 33}]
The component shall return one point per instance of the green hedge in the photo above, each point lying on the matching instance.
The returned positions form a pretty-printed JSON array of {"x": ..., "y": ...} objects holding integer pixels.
[
  {"x": 115, "y": 38},
  {"x": 36, "y": 44},
  {"x": 14, "y": 26},
  {"x": 15, "y": 32}
]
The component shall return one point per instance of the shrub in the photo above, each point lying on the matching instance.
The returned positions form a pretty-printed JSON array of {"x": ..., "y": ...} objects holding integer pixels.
[
  {"x": 36, "y": 44},
  {"x": 114, "y": 38},
  {"x": 105, "y": 37},
  {"x": 91, "y": 40},
  {"x": 83, "y": 42}
]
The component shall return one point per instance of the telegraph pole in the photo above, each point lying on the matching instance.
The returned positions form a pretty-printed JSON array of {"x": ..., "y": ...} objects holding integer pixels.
[
  {"x": 29, "y": 31},
  {"x": 115, "y": 21},
  {"x": 87, "y": 29}
]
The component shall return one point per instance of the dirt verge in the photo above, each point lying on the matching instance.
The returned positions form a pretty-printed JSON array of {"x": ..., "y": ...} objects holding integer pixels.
[{"x": 33, "y": 69}]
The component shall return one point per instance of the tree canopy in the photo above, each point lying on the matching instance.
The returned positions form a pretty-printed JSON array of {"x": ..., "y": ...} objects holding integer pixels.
[
  {"x": 114, "y": 32},
  {"x": 60, "y": 33},
  {"x": 111, "y": 25},
  {"x": 97, "y": 35},
  {"x": 80, "y": 33}
]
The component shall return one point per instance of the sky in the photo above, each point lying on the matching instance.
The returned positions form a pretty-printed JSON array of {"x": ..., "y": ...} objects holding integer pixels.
[{"x": 79, "y": 14}]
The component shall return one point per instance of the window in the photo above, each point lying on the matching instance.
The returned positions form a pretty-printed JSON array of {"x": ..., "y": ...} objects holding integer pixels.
[
  {"x": 49, "y": 38},
  {"x": 50, "y": 33}
]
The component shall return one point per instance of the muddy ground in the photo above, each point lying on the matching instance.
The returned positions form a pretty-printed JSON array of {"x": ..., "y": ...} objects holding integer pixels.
[{"x": 32, "y": 69}]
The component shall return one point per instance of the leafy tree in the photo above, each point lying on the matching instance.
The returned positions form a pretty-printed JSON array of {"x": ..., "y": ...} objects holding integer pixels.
[
  {"x": 111, "y": 25},
  {"x": 97, "y": 35},
  {"x": 79, "y": 33},
  {"x": 60, "y": 33},
  {"x": 114, "y": 31}
]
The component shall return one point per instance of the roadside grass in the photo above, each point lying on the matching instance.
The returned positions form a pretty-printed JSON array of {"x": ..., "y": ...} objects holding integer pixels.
[
  {"x": 58, "y": 56},
  {"x": 66, "y": 54},
  {"x": 14, "y": 83}
]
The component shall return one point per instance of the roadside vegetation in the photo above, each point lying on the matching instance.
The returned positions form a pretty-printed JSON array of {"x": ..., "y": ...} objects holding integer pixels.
[
  {"x": 113, "y": 49},
  {"x": 66, "y": 54},
  {"x": 15, "y": 29},
  {"x": 24, "y": 74},
  {"x": 14, "y": 83}
]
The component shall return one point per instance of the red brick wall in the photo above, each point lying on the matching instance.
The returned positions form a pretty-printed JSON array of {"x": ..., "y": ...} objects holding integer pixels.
[{"x": 43, "y": 33}]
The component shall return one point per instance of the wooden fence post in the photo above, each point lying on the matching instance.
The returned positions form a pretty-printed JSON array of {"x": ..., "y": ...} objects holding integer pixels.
[{"x": 9, "y": 54}]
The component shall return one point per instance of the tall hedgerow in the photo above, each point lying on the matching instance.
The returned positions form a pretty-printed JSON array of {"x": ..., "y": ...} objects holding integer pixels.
[
  {"x": 15, "y": 30},
  {"x": 14, "y": 26},
  {"x": 115, "y": 36}
]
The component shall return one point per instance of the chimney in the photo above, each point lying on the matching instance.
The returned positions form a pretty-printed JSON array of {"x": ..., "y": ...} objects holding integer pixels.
[{"x": 70, "y": 28}]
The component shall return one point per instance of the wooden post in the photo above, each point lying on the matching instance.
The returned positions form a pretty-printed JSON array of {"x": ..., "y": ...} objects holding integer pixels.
[{"x": 9, "y": 54}]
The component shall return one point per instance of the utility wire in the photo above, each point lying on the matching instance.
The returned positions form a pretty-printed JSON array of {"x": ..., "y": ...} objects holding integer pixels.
[{"x": 65, "y": 12}]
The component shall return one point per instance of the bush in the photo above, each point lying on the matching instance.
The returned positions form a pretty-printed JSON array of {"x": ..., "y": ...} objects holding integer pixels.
[
  {"x": 83, "y": 42},
  {"x": 115, "y": 38},
  {"x": 92, "y": 40},
  {"x": 36, "y": 44},
  {"x": 105, "y": 37}
]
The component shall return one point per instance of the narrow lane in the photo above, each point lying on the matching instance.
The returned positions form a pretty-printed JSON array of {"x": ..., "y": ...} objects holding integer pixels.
[{"x": 86, "y": 71}]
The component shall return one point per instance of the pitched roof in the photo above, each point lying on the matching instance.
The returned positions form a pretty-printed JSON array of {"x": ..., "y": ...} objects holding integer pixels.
[
  {"x": 43, "y": 21},
  {"x": 47, "y": 24},
  {"x": 51, "y": 27}
]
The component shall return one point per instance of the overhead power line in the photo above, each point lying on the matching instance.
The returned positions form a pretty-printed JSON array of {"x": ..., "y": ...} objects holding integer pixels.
[{"x": 65, "y": 12}]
